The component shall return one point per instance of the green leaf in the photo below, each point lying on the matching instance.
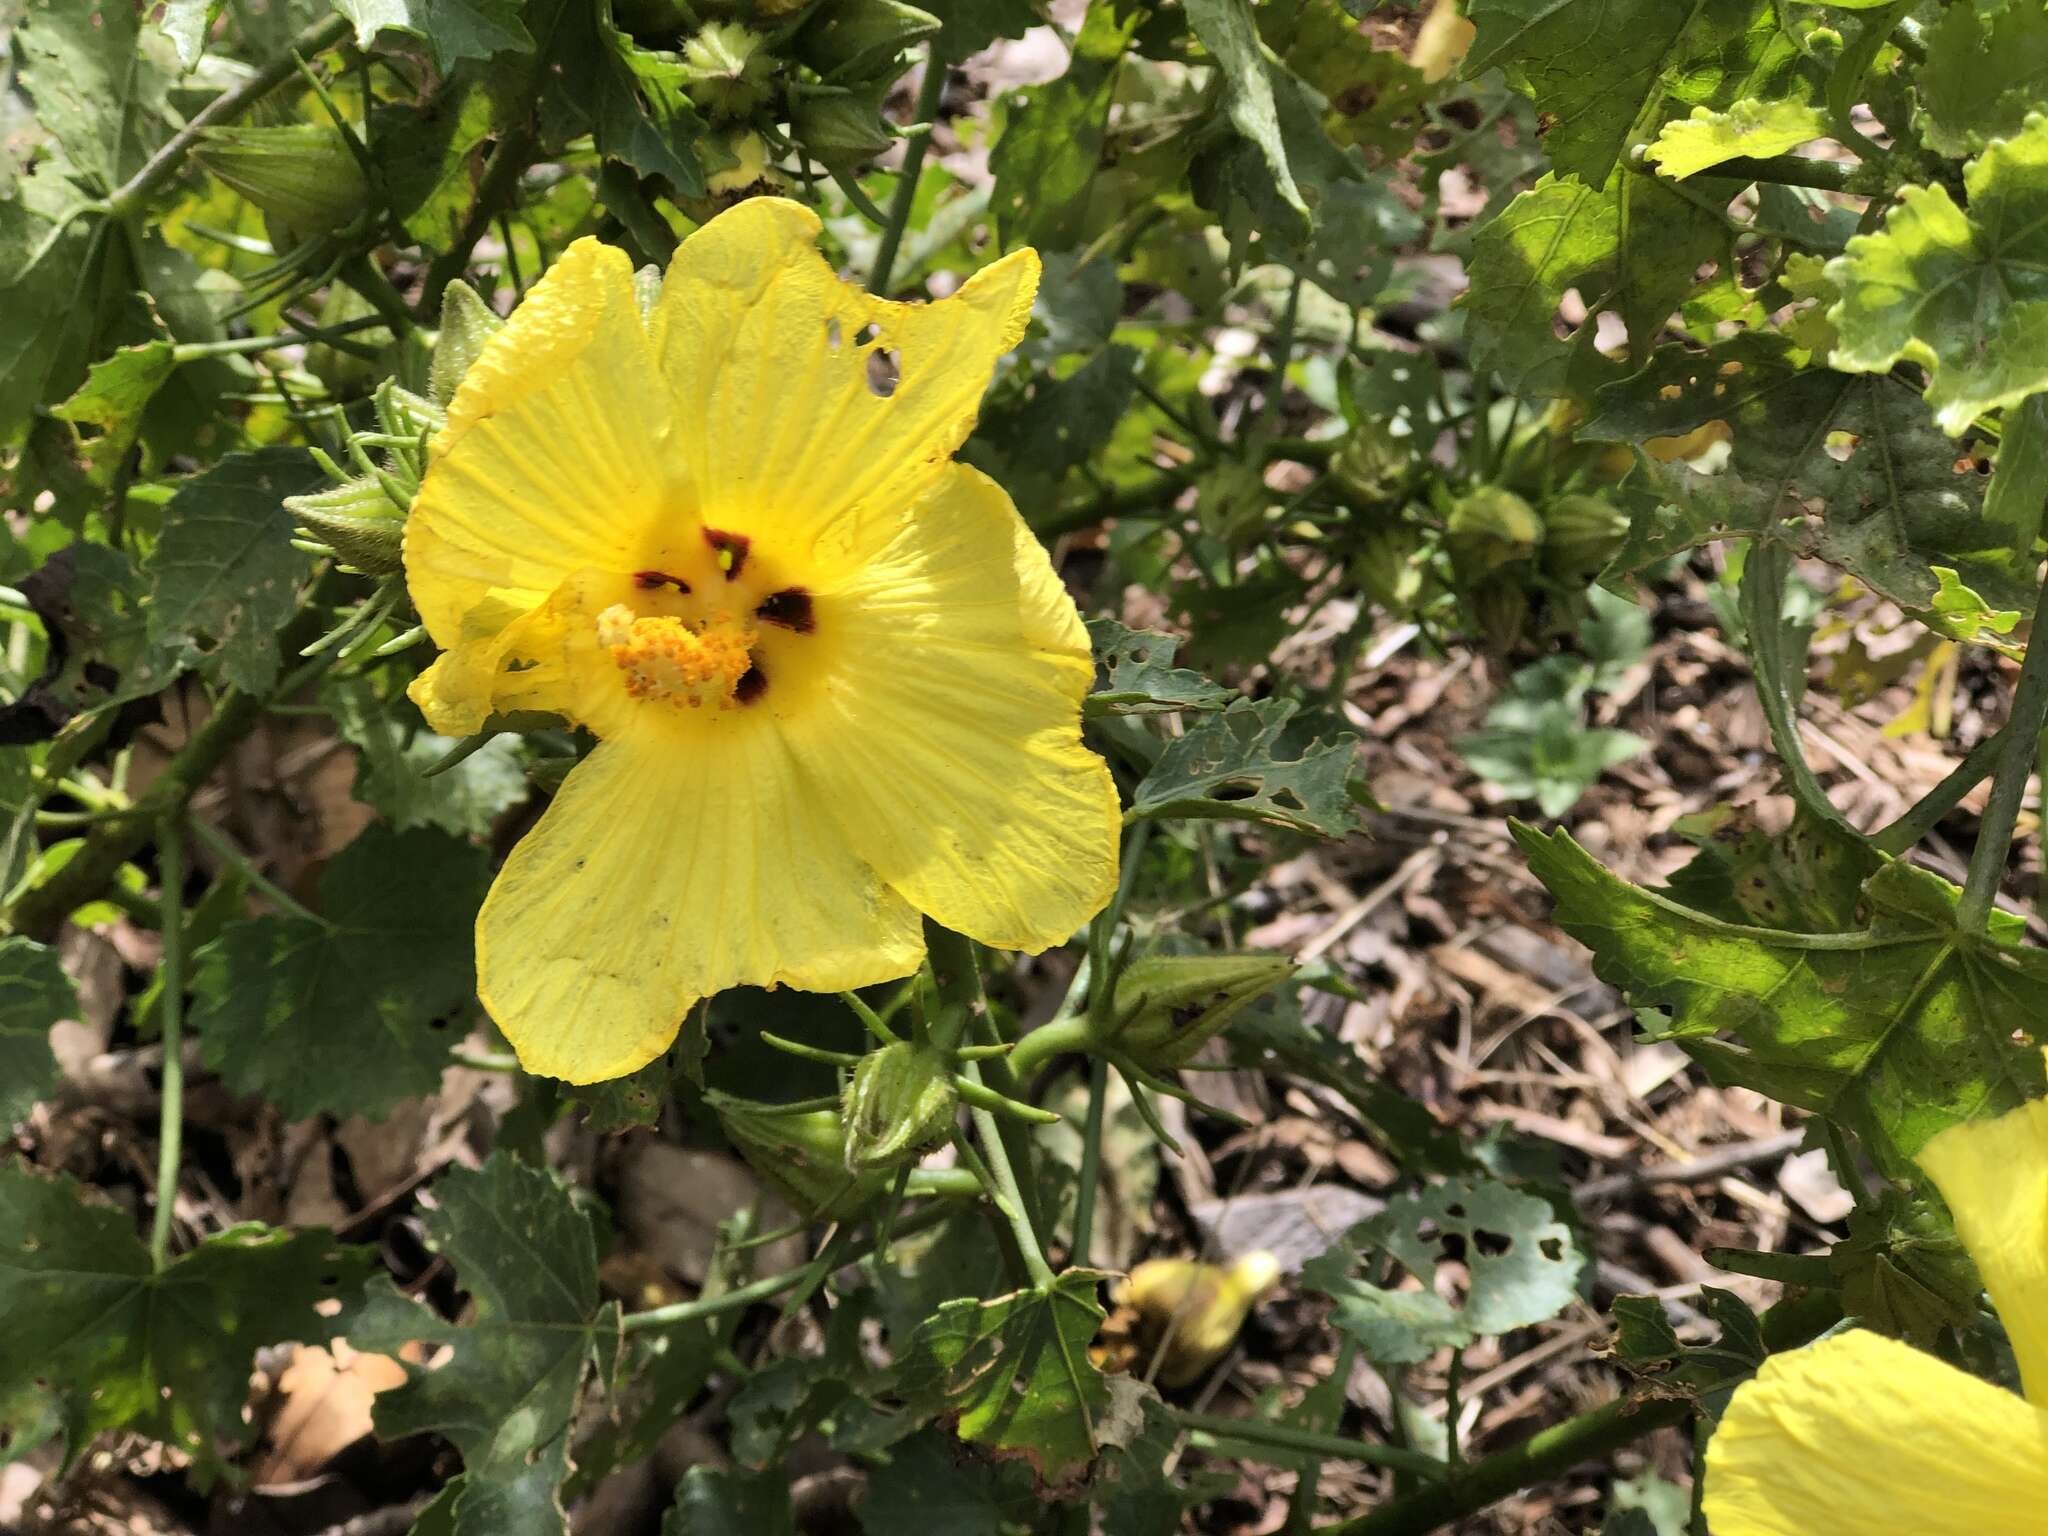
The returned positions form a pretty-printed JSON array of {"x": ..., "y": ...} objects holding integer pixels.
[
  {"x": 1050, "y": 147},
  {"x": 925, "y": 1485},
  {"x": 1521, "y": 1264},
  {"x": 1254, "y": 762},
  {"x": 465, "y": 800},
  {"x": 1543, "y": 750},
  {"x": 1646, "y": 1342},
  {"x": 1360, "y": 227},
  {"x": 1631, "y": 247},
  {"x": 1691, "y": 144},
  {"x": 1602, "y": 70},
  {"x": 224, "y": 578},
  {"x": 1226, "y": 29},
  {"x": 1964, "y": 294},
  {"x": 349, "y": 1012},
  {"x": 167, "y": 1354},
  {"x": 113, "y": 397},
  {"x": 1135, "y": 674},
  {"x": 453, "y": 29},
  {"x": 97, "y": 86},
  {"x": 1030, "y": 440},
  {"x": 51, "y": 256},
  {"x": 1855, "y": 458},
  {"x": 633, "y": 102},
  {"x": 2013, "y": 499},
  {"x": 507, "y": 1391},
  {"x": 1899, "y": 1029},
  {"x": 34, "y": 994},
  {"x": 188, "y": 24},
  {"x": 1982, "y": 75},
  {"x": 426, "y": 155},
  {"x": 1014, "y": 1373},
  {"x": 723, "y": 1501},
  {"x": 971, "y": 25}
]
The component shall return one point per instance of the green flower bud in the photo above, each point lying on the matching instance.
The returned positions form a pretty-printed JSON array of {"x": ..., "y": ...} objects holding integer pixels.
[
  {"x": 356, "y": 520},
  {"x": 728, "y": 69},
  {"x": 804, "y": 1155},
  {"x": 1372, "y": 463},
  {"x": 303, "y": 174},
  {"x": 842, "y": 131},
  {"x": 857, "y": 39},
  {"x": 1501, "y": 609},
  {"x": 1493, "y": 524},
  {"x": 899, "y": 1106},
  {"x": 467, "y": 322},
  {"x": 1169, "y": 1006},
  {"x": 1581, "y": 534},
  {"x": 1389, "y": 568}
]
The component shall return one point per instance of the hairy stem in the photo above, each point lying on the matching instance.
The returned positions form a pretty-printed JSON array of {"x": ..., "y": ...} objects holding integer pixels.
[
  {"x": 1926, "y": 813},
  {"x": 1285, "y": 1437},
  {"x": 171, "y": 1115},
  {"x": 494, "y": 192},
  {"x": 928, "y": 94},
  {"x": 2009, "y": 786}
]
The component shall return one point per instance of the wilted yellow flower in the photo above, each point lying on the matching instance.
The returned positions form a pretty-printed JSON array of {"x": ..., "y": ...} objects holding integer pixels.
[
  {"x": 1194, "y": 1310},
  {"x": 834, "y": 679},
  {"x": 1862, "y": 1433}
]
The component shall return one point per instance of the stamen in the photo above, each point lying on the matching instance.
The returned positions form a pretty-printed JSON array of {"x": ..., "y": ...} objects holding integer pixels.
[
  {"x": 788, "y": 609},
  {"x": 648, "y": 581},
  {"x": 666, "y": 660},
  {"x": 731, "y": 549}
]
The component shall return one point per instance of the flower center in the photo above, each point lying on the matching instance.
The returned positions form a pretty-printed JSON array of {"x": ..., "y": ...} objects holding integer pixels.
[{"x": 680, "y": 663}]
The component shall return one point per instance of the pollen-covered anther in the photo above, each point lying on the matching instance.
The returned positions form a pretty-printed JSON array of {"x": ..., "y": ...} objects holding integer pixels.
[{"x": 670, "y": 661}]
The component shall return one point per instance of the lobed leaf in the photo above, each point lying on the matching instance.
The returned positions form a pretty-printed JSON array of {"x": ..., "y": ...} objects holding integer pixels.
[
  {"x": 1248, "y": 763},
  {"x": 34, "y": 994},
  {"x": 1136, "y": 675}
]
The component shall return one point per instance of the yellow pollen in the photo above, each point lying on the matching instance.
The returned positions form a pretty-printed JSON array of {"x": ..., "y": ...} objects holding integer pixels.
[{"x": 668, "y": 660}]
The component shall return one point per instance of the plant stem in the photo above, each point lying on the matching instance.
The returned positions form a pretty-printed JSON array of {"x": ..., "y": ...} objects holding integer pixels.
[
  {"x": 1091, "y": 1164},
  {"x": 1926, "y": 813},
  {"x": 1546, "y": 1454},
  {"x": 494, "y": 190},
  {"x": 2009, "y": 787},
  {"x": 171, "y": 1116},
  {"x": 1050, "y": 1039},
  {"x": 1780, "y": 170},
  {"x": 1283, "y": 354},
  {"x": 241, "y": 346},
  {"x": 990, "y": 1134},
  {"x": 162, "y": 165},
  {"x": 1285, "y": 1437},
  {"x": 928, "y": 93},
  {"x": 275, "y": 894}
]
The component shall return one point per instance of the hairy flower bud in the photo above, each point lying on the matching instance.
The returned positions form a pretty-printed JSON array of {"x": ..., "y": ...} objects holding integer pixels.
[
  {"x": 803, "y": 1154},
  {"x": 727, "y": 68},
  {"x": 842, "y": 131},
  {"x": 467, "y": 322},
  {"x": 1492, "y": 524},
  {"x": 859, "y": 39},
  {"x": 358, "y": 521},
  {"x": 1581, "y": 533},
  {"x": 899, "y": 1106},
  {"x": 1169, "y": 1006},
  {"x": 303, "y": 174}
]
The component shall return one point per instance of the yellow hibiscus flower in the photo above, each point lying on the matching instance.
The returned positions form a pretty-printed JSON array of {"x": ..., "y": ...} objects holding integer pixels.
[
  {"x": 834, "y": 680},
  {"x": 1865, "y": 1434}
]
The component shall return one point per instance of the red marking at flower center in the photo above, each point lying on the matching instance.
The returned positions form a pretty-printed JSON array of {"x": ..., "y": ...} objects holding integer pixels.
[
  {"x": 752, "y": 684},
  {"x": 648, "y": 581},
  {"x": 790, "y": 609},
  {"x": 731, "y": 549}
]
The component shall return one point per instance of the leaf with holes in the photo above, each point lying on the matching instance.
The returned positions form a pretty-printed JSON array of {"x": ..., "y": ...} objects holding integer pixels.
[
  {"x": 508, "y": 1388},
  {"x": 1899, "y": 1029},
  {"x": 345, "y": 1011},
  {"x": 453, "y": 29},
  {"x": 1135, "y": 674},
  {"x": 112, "y": 399},
  {"x": 1630, "y": 247},
  {"x": 1014, "y": 1373},
  {"x": 224, "y": 578},
  {"x": 1854, "y": 456},
  {"x": 166, "y": 1353},
  {"x": 1963, "y": 293},
  {"x": 1521, "y": 1266},
  {"x": 1255, "y": 762},
  {"x": 34, "y": 994}
]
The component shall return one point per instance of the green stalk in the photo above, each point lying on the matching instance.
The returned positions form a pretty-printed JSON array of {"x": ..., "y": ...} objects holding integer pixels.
[
  {"x": 2009, "y": 787},
  {"x": 1926, "y": 813},
  {"x": 1306, "y": 1442},
  {"x": 161, "y": 166},
  {"x": 928, "y": 94},
  {"x": 275, "y": 894},
  {"x": 171, "y": 1115},
  {"x": 1549, "y": 1453},
  {"x": 1091, "y": 1164}
]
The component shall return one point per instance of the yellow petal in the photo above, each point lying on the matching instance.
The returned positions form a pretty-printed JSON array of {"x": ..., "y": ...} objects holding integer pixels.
[
  {"x": 553, "y": 456},
  {"x": 1862, "y": 1434},
  {"x": 943, "y": 724},
  {"x": 677, "y": 860},
  {"x": 1994, "y": 1176},
  {"x": 787, "y": 424}
]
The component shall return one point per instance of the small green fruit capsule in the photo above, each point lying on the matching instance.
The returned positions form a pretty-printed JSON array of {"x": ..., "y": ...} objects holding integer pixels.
[
  {"x": 842, "y": 131},
  {"x": 357, "y": 521},
  {"x": 467, "y": 322},
  {"x": 1372, "y": 463},
  {"x": 303, "y": 174},
  {"x": 728, "y": 69},
  {"x": 1581, "y": 534},
  {"x": 1493, "y": 524},
  {"x": 860, "y": 39},
  {"x": 803, "y": 1155},
  {"x": 899, "y": 1106},
  {"x": 1169, "y": 1006}
]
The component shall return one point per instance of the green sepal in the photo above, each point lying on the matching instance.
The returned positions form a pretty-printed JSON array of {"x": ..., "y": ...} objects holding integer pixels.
[
  {"x": 728, "y": 68},
  {"x": 842, "y": 131},
  {"x": 856, "y": 39},
  {"x": 1490, "y": 525},
  {"x": 467, "y": 322},
  {"x": 358, "y": 521},
  {"x": 802, "y": 1152},
  {"x": 303, "y": 174},
  {"x": 1169, "y": 1006},
  {"x": 899, "y": 1105},
  {"x": 1581, "y": 533}
]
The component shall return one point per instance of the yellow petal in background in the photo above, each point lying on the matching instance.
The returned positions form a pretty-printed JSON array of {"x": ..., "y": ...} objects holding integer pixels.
[
  {"x": 553, "y": 457},
  {"x": 1994, "y": 1176},
  {"x": 677, "y": 861},
  {"x": 1865, "y": 1436},
  {"x": 808, "y": 413},
  {"x": 945, "y": 730}
]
